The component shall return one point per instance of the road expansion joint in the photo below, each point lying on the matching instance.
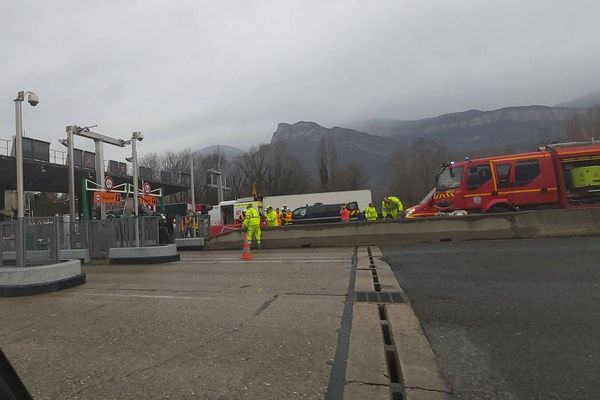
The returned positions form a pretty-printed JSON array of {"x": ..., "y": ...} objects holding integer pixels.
[
  {"x": 427, "y": 389},
  {"x": 337, "y": 380},
  {"x": 368, "y": 383},
  {"x": 387, "y": 339}
]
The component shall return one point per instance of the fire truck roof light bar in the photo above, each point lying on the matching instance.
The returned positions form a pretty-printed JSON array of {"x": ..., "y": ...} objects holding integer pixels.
[{"x": 592, "y": 141}]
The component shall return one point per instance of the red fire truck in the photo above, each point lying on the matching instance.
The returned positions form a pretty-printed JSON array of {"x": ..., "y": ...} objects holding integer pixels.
[{"x": 564, "y": 175}]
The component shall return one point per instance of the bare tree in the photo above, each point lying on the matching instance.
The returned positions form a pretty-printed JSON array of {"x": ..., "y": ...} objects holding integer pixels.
[
  {"x": 154, "y": 162},
  {"x": 349, "y": 177},
  {"x": 285, "y": 174},
  {"x": 254, "y": 166},
  {"x": 326, "y": 162},
  {"x": 412, "y": 169}
]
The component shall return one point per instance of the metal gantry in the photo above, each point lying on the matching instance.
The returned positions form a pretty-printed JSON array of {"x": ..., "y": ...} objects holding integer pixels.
[{"x": 99, "y": 139}]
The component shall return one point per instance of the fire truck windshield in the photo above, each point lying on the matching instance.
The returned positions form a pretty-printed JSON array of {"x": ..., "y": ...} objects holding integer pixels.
[
  {"x": 428, "y": 197},
  {"x": 449, "y": 178}
]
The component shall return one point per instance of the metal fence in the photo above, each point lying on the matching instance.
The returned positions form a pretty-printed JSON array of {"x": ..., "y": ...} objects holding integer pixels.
[
  {"x": 8, "y": 232},
  {"x": 41, "y": 243},
  {"x": 121, "y": 232},
  {"x": 43, "y": 238},
  {"x": 191, "y": 226},
  {"x": 74, "y": 235}
]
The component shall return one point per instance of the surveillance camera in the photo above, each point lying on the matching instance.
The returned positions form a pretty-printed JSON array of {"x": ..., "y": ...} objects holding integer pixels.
[
  {"x": 129, "y": 159},
  {"x": 138, "y": 135},
  {"x": 33, "y": 99}
]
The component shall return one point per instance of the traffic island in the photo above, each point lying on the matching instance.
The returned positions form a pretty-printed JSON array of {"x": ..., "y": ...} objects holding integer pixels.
[
  {"x": 143, "y": 255},
  {"x": 196, "y": 243},
  {"x": 42, "y": 256},
  {"x": 25, "y": 281}
]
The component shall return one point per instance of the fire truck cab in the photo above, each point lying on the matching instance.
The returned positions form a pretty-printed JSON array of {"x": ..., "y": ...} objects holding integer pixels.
[{"x": 556, "y": 176}]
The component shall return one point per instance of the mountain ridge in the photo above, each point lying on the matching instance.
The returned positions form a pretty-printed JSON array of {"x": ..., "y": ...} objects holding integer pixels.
[{"x": 590, "y": 100}]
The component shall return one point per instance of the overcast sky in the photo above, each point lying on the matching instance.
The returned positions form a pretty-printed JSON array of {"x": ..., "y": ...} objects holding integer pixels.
[{"x": 197, "y": 73}]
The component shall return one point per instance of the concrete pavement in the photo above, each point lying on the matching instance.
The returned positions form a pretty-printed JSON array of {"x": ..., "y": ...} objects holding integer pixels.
[
  {"x": 302, "y": 323},
  {"x": 208, "y": 327}
]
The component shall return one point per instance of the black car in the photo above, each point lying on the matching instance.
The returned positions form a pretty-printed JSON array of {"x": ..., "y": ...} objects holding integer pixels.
[{"x": 323, "y": 213}]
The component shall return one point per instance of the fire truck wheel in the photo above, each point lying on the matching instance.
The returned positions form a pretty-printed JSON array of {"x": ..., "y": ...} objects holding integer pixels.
[{"x": 500, "y": 208}]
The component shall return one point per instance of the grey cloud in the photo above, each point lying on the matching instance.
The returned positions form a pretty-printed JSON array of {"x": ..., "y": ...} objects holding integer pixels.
[{"x": 192, "y": 73}]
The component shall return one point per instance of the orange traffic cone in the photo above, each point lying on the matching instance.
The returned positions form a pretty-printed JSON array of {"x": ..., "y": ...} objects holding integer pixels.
[{"x": 246, "y": 255}]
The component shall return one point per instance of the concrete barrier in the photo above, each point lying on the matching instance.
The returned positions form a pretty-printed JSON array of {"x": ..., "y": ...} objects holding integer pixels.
[
  {"x": 529, "y": 224},
  {"x": 143, "y": 255},
  {"x": 21, "y": 281},
  {"x": 10, "y": 256},
  {"x": 76, "y": 254},
  {"x": 189, "y": 243}
]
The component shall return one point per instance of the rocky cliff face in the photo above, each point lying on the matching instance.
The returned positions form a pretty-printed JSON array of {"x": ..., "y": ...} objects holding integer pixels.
[
  {"x": 471, "y": 133},
  {"x": 347, "y": 139},
  {"x": 370, "y": 151}
]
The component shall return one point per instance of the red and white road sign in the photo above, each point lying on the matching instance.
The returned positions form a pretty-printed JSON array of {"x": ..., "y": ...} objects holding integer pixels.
[{"x": 109, "y": 184}]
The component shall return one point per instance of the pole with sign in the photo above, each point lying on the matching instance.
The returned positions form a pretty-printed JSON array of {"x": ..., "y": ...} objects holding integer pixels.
[{"x": 109, "y": 184}]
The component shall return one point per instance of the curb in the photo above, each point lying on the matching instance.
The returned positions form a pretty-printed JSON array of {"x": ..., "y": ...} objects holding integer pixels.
[
  {"x": 390, "y": 356},
  {"x": 39, "y": 288}
]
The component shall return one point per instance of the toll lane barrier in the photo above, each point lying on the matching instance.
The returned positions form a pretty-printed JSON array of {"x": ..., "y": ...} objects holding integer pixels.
[{"x": 520, "y": 225}]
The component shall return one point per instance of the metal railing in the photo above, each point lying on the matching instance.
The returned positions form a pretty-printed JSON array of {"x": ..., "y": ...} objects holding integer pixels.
[
  {"x": 122, "y": 231},
  {"x": 74, "y": 235},
  {"x": 44, "y": 238},
  {"x": 5, "y": 146},
  {"x": 41, "y": 241},
  {"x": 58, "y": 157},
  {"x": 191, "y": 226}
]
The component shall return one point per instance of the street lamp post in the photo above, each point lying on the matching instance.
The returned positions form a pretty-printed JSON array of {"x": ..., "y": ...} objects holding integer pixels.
[
  {"x": 33, "y": 100},
  {"x": 193, "y": 190},
  {"x": 71, "y": 158},
  {"x": 134, "y": 138}
]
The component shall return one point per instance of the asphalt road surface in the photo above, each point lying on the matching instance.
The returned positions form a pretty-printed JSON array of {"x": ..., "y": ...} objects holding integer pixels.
[{"x": 513, "y": 319}]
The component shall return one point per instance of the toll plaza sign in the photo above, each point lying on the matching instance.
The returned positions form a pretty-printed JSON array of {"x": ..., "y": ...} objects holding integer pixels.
[
  {"x": 149, "y": 200},
  {"x": 107, "y": 197}
]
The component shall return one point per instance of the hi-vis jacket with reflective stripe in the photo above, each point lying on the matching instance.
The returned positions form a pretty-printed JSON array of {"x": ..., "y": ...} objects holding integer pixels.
[
  {"x": 252, "y": 218},
  {"x": 371, "y": 213}
]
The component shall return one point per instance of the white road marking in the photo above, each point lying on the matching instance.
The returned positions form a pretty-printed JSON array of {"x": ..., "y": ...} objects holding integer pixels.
[
  {"x": 147, "y": 296},
  {"x": 255, "y": 260}
]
